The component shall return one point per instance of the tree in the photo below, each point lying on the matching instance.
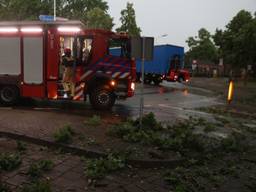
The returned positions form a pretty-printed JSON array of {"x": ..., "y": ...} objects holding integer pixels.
[
  {"x": 23, "y": 10},
  {"x": 97, "y": 18},
  {"x": 128, "y": 20},
  {"x": 237, "y": 43},
  {"x": 201, "y": 47},
  {"x": 78, "y": 9},
  {"x": 71, "y": 9}
]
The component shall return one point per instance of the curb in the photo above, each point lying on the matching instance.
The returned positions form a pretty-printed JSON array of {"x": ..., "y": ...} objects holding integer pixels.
[
  {"x": 50, "y": 144},
  {"x": 140, "y": 163}
]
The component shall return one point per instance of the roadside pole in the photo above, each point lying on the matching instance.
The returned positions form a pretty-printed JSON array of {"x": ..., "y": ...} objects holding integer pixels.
[
  {"x": 142, "y": 48},
  {"x": 142, "y": 83},
  {"x": 54, "y": 10}
]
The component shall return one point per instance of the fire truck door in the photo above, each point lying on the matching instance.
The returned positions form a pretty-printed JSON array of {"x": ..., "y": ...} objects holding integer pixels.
[{"x": 33, "y": 66}]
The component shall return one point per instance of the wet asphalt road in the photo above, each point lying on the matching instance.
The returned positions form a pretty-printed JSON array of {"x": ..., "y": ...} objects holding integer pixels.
[{"x": 169, "y": 101}]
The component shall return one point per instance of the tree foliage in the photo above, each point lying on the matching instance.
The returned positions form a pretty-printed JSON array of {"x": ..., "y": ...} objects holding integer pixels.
[
  {"x": 202, "y": 47},
  {"x": 97, "y": 18},
  {"x": 237, "y": 42},
  {"x": 71, "y": 9},
  {"x": 128, "y": 21},
  {"x": 78, "y": 9},
  {"x": 23, "y": 10}
]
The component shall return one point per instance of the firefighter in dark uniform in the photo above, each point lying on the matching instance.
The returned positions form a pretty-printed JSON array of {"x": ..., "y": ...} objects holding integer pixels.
[{"x": 68, "y": 75}]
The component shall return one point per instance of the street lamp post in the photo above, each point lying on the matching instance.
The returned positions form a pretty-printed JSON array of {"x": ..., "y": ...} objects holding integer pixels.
[{"x": 161, "y": 36}]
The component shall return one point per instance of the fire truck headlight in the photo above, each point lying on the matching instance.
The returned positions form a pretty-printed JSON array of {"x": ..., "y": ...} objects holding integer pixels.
[
  {"x": 133, "y": 86},
  {"x": 112, "y": 83}
]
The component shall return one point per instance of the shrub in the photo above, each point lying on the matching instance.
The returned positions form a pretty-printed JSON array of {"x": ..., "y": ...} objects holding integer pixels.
[
  {"x": 38, "y": 186},
  {"x": 209, "y": 128},
  {"x": 9, "y": 162},
  {"x": 234, "y": 143},
  {"x": 177, "y": 137},
  {"x": 4, "y": 187},
  {"x": 64, "y": 135},
  {"x": 98, "y": 168},
  {"x": 21, "y": 146},
  {"x": 93, "y": 121},
  {"x": 37, "y": 169},
  {"x": 222, "y": 120}
]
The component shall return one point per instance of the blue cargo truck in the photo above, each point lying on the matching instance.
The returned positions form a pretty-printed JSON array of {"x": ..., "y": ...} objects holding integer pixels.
[{"x": 167, "y": 64}]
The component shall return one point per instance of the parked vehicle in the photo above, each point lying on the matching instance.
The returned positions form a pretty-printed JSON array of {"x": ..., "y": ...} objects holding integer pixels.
[
  {"x": 31, "y": 62},
  {"x": 167, "y": 64}
]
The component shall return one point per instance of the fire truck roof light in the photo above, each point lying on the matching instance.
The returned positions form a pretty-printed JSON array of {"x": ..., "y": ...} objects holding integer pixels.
[
  {"x": 69, "y": 29},
  {"x": 31, "y": 29},
  {"x": 8, "y": 30}
]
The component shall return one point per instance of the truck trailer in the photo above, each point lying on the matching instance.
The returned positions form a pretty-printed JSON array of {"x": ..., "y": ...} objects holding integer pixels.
[
  {"x": 167, "y": 64},
  {"x": 31, "y": 63}
]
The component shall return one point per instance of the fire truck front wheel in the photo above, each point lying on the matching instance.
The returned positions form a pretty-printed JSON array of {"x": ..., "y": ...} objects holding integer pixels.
[
  {"x": 9, "y": 95},
  {"x": 102, "y": 98}
]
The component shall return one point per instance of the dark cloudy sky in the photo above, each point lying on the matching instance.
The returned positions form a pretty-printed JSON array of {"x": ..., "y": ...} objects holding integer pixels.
[{"x": 180, "y": 18}]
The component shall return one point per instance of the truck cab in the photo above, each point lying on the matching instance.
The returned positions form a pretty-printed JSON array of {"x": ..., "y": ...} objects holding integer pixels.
[
  {"x": 175, "y": 71},
  {"x": 31, "y": 56}
]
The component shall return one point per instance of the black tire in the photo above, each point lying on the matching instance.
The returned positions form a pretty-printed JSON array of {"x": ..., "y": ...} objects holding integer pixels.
[
  {"x": 148, "y": 78},
  {"x": 180, "y": 79},
  {"x": 9, "y": 95},
  {"x": 147, "y": 81},
  {"x": 157, "y": 82},
  {"x": 102, "y": 98}
]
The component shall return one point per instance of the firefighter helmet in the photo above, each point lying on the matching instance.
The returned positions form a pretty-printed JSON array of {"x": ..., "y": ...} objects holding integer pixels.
[{"x": 67, "y": 51}]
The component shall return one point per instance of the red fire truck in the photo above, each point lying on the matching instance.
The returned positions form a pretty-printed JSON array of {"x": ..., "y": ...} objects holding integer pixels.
[{"x": 31, "y": 62}]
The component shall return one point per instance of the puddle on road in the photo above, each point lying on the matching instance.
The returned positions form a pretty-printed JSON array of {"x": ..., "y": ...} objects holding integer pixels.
[{"x": 169, "y": 101}]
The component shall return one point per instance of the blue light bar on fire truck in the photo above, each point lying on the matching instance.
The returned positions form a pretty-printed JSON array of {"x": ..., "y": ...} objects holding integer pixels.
[
  {"x": 46, "y": 18},
  {"x": 50, "y": 18}
]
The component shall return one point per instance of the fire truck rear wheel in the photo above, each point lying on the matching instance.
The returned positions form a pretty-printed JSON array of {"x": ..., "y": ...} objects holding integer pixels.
[
  {"x": 102, "y": 98},
  {"x": 9, "y": 94}
]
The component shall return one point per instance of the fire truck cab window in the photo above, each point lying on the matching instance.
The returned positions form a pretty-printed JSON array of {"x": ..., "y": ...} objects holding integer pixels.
[
  {"x": 84, "y": 51},
  {"x": 175, "y": 62},
  {"x": 120, "y": 48},
  {"x": 81, "y": 49}
]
